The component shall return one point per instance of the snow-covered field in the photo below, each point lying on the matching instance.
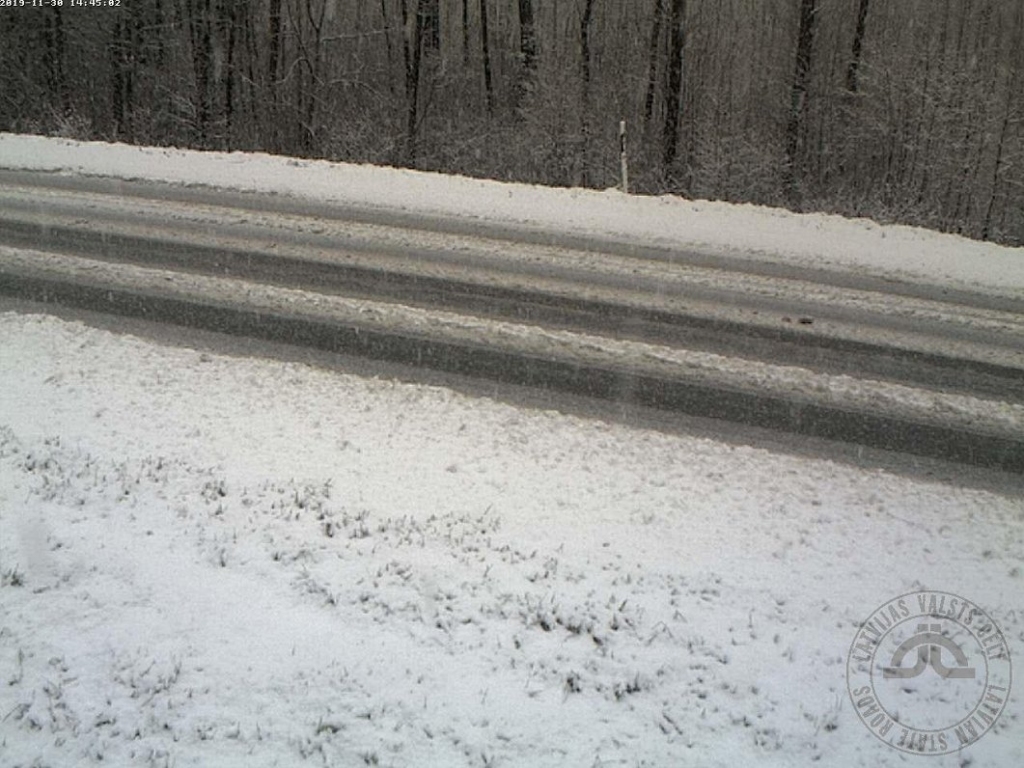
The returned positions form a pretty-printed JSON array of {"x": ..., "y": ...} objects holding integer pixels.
[
  {"x": 222, "y": 560},
  {"x": 213, "y": 560}
]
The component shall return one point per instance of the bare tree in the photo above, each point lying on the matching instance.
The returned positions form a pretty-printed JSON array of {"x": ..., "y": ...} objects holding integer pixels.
[
  {"x": 654, "y": 51},
  {"x": 53, "y": 58},
  {"x": 201, "y": 40},
  {"x": 858, "y": 46},
  {"x": 527, "y": 52},
  {"x": 1012, "y": 117},
  {"x": 465, "y": 33},
  {"x": 485, "y": 44},
  {"x": 413, "y": 59},
  {"x": 430, "y": 11},
  {"x": 585, "y": 76},
  {"x": 673, "y": 96},
  {"x": 310, "y": 31},
  {"x": 122, "y": 76},
  {"x": 798, "y": 103},
  {"x": 745, "y": 100},
  {"x": 527, "y": 36},
  {"x": 273, "y": 74}
]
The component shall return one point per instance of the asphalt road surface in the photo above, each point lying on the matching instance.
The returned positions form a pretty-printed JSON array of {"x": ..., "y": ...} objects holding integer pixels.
[{"x": 898, "y": 366}]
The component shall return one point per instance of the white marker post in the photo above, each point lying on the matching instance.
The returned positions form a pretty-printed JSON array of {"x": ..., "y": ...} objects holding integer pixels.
[{"x": 622, "y": 157}]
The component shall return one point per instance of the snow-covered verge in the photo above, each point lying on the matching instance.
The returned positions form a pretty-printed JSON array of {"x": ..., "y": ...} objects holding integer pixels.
[
  {"x": 211, "y": 560},
  {"x": 813, "y": 240}
]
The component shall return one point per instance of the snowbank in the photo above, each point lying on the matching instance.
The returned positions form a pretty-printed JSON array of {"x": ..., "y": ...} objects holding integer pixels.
[{"x": 813, "y": 240}]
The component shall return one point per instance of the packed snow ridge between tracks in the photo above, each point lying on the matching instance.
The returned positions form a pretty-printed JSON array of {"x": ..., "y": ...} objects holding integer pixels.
[{"x": 743, "y": 231}]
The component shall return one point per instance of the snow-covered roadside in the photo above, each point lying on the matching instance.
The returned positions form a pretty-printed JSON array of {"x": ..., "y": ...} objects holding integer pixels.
[
  {"x": 813, "y": 240},
  {"x": 220, "y": 561}
]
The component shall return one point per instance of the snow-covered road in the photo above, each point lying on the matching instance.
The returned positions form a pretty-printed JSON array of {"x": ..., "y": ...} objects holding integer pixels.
[{"x": 915, "y": 367}]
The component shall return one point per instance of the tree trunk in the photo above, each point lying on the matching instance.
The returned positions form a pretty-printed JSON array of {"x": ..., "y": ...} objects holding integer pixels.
[
  {"x": 431, "y": 13},
  {"x": 386, "y": 21},
  {"x": 274, "y": 35},
  {"x": 413, "y": 58},
  {"x": 798, "y": 105},
  {"x": 465, "y": 33},
  {"x": 486, "y": 46},
  {"x": 122, "y": 77},
  {"x": 53, "y": 56},
  {"x": 652, "y": 60},
  {"x": 273, "y": 72},
  {"x": 255, "y": 134},
  {"x": 1015, "y": 68},
  {"x": 585, "y": 19},
  {"x": 202, "y": 65},
  {"x": 312, "y": 60},
  {"x": 858, "y": 46},
  {"x": 673, "y": 98},
  {"x": 527, "y": 53},
  {"x": 231, "y": 20},
  {"x": 527, "y": 37}
]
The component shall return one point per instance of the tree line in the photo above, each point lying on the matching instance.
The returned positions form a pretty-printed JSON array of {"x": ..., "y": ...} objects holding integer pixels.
[{"x": 909, "y": 111}]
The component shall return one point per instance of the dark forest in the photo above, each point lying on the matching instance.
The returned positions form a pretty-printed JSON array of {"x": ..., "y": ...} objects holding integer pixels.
[{"x": 909, "y": 111}]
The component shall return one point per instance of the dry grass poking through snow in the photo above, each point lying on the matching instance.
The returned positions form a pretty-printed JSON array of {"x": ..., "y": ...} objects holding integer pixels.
[
  {"x": 374, "y": 573},
  {"x": 530, "y": 638}
]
